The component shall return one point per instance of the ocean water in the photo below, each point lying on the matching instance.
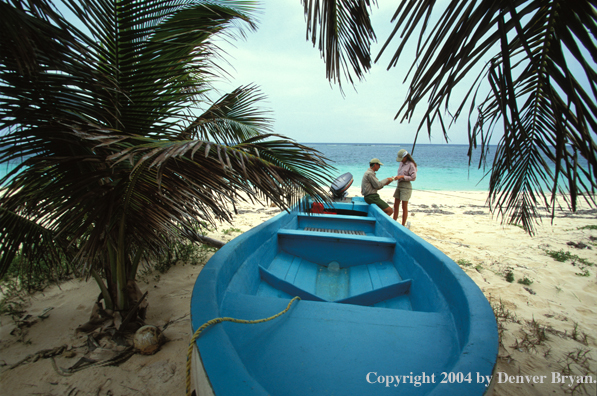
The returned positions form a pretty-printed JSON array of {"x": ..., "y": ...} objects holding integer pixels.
[{"x": 440, "y": 167}]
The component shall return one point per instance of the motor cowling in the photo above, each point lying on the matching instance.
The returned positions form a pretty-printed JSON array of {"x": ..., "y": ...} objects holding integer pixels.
[{"x": 339, "y": 187}]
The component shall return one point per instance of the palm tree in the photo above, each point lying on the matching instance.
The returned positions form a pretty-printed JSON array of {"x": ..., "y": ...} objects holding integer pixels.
[
  {"x": 536, "y": 60},
  {"x": 121, "y": 149}
]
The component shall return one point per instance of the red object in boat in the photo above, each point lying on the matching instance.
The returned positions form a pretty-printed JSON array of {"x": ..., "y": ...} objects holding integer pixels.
[{"x": 317, "y": 207}]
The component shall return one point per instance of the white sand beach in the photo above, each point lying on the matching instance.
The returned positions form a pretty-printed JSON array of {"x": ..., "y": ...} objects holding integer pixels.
[{"x": 548, "y": 326}]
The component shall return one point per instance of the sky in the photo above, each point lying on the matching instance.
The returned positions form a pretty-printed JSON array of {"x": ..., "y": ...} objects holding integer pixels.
[{"x": 306, "y": 107}]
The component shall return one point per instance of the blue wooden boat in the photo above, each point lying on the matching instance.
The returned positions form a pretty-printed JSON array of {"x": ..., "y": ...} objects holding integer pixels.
[{"x": 382, "y": 312}]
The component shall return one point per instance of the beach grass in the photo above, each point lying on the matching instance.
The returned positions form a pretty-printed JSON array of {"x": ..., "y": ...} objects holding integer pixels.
[
  {"x": 464, "y": 263},
  {"x": 231, "y": 230},
  {"x": 509, "y": 275},
  {"x": 588, "y": 227},
  {"x": 525, "y": 281}
]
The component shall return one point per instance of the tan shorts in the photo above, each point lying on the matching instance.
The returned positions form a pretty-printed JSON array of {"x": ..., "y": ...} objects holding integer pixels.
[{"x": 404, "y": 191}]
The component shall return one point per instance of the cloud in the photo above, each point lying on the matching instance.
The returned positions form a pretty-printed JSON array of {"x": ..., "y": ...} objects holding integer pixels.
[{"x": 306, "y": 107}]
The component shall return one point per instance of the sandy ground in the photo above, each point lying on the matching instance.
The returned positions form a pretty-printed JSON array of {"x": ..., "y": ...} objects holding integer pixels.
[{"x": 548, "y": 327}]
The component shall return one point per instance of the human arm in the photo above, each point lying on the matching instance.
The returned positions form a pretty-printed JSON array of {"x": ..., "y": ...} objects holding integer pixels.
[
  {"x": 374, "y": 183},
  {"x": 408, "y": 172}
]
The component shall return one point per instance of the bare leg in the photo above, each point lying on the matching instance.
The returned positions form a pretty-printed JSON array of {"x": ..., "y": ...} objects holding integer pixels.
[
  {"x": 396, "y": 208},
  {"x": 388, "y": 211},
  {"x": 404, "y": 212}
]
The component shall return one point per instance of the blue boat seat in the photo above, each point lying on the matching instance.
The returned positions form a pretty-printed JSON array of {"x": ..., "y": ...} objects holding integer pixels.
[
  {"x": 378, "y": 295},
  {"x": 324, "y": 247}
]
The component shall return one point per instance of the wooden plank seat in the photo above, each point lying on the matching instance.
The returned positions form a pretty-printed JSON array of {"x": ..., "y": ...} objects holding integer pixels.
[{"x": 337, "y": 222}]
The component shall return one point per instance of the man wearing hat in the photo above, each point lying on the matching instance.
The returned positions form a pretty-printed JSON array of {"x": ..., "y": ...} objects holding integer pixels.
[{"x": 370, "y": 185}]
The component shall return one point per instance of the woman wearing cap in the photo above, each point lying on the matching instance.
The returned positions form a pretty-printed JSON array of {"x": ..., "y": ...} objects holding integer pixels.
[
  {"x": 370, "y": 185},
  {"x": 407, "y": 172}
]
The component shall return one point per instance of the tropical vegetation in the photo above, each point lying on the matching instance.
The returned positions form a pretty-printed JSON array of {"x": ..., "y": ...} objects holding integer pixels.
[
  {"x": 527, "y": 68},
  {"x": 108, "y": 108}
]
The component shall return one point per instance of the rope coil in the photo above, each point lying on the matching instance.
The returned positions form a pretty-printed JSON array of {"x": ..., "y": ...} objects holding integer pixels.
[{"x": 220, "y": 320}]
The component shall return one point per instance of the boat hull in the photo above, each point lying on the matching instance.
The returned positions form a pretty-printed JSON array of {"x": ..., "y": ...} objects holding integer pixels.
[{"x": 380, "y": 311}]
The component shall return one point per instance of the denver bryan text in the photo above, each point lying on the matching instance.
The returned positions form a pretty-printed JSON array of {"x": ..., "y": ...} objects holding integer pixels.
[{"x": 556, "y": 378}]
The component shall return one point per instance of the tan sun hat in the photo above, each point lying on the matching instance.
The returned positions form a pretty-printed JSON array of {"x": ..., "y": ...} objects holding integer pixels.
[
  {"x": 401, "y": 155},
  {"x": 375, "y": 161}
]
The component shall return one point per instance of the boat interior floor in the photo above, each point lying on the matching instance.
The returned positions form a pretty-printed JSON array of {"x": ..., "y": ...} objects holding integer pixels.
[
  {"x": 315, "y": 335},
  {"x": 377, "y": 284},
  {"x": 335, "y": 258}
]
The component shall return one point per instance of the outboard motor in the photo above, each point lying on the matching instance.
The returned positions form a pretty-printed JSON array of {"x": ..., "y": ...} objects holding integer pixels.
[{"x": 340, "y": 186}]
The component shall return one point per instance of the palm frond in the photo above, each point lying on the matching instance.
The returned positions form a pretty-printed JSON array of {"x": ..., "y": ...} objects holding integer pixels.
[
  {"x": 536, "y": 60},
  {"x": 171, "y": 185},
  {"x": 234, "y": 117},
  {"x": 345, "y": 35},
  {"x": 104, "y": 119},
  {"x": 25, "y": 238}
]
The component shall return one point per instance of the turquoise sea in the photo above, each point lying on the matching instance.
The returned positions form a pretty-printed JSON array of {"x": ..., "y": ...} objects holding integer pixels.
[{"x": 441, "y": 167}]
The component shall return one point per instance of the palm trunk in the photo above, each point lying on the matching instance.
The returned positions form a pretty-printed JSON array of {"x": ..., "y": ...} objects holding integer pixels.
[
  {"x": 108, "y": 304},
  {"x": 121, "y": 293}
]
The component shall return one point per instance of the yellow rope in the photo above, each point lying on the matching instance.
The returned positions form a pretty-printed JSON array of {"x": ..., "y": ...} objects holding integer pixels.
[{"x": 220, "y": 320}]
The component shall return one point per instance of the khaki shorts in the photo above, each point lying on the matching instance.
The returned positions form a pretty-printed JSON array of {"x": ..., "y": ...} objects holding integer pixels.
[
  {"x": 404, "y": 191},
  {"x": 376, "y": 199}
]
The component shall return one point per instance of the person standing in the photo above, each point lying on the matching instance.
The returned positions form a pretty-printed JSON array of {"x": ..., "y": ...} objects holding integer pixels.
[
  {"x": 370, "y": 185},
  {"x": 407, "y": 173}
]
